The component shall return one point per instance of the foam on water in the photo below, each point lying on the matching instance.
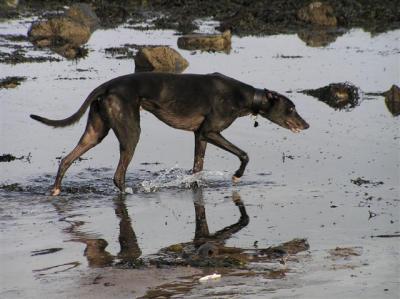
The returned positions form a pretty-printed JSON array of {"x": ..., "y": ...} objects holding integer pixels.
[{"x": 179, "y": 178}]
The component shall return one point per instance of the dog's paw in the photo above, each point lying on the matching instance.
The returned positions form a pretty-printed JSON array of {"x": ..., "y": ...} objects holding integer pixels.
[
  {"x": 235, "y": 179},
  {"x": 55, "y": 191}
]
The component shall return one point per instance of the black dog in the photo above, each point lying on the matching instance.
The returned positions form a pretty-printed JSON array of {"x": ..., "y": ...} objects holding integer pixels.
[{"x": 203, "y": 104}]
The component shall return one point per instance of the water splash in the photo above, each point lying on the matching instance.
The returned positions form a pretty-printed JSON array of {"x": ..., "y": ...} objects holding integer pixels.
[{"x": 179, "y": 178}]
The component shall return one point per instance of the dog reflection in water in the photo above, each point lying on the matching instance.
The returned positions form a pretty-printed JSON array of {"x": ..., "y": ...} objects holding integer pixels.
[{"x": 205, "y": 249}]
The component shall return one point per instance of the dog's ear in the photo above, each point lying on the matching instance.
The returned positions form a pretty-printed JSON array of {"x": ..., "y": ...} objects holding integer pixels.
[{"x": 270, "y": 95}]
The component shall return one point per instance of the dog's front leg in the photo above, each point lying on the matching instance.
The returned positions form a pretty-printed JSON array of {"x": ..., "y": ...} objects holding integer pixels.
[
  {"x": 199, "y": 152},
  {"x": 218, "y": 140}
]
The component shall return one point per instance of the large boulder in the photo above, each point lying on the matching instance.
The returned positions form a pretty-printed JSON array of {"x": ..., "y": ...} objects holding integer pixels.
[
  {"x": 59, "y": 31},
  {"x": 65, "y": 34},
  {"x": 317, "y": 13},
  {"x": 319, "y": 37},
  {"x": 206, "y": 42},
  {"x": 161, "y": 58}
]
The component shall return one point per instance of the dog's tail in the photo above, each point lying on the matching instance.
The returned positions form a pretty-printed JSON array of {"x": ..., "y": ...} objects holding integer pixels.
[{"x": 94, "y": 95}]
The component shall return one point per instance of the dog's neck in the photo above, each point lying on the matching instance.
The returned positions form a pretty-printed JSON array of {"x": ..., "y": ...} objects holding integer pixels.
[{"x": 259, "y": 97}]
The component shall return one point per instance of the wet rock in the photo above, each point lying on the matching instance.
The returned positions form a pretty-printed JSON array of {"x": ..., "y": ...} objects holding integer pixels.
[
  {"x": 71, "y": 52},
  {"x": 7, "y": 4},
  {"x": 57, "y": 31},
  {"x": 317, "y": 13},
  {"x": 67, "y": 33},
  {"x": 291, "y": 247},
  {"x": 11, "y": 82},
  {"x": 337, "y": 95},
  {"x": 392, "y": 100},
  {"x": 206, "y": 42},
  {"x": 176, "y": 248},
  {"x": 295, "y": 246},
  {"x": 159, "y": 59},
  {"x": 319, "y": 37}
]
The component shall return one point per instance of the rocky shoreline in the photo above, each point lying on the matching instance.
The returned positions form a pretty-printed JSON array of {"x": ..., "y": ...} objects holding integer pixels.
[{"x": 241, "y": 17}]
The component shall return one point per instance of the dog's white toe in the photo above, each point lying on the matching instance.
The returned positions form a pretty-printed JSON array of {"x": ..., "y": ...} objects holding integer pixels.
[
  {"x": 235, "y": 179},
  {"x": 55, "y": 192}
]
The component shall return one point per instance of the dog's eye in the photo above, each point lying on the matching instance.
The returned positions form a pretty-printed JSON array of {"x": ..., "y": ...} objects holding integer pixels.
[{"x": 291, "y": 109}]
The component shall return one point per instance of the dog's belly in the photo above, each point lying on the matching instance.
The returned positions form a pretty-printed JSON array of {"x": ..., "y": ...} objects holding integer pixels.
[
  {"x": 173, "y": 119},
  {"x": 184, "y": 123}
]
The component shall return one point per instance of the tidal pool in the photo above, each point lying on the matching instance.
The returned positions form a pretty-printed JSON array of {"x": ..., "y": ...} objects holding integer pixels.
[{"x": 335, "y": 184}]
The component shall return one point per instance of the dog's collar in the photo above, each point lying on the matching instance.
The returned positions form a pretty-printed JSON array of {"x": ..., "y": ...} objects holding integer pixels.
[{"x": 259, "y": 97}]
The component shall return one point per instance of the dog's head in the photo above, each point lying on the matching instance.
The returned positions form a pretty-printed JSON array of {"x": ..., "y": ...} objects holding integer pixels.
[{"x": 280, "y": 110}]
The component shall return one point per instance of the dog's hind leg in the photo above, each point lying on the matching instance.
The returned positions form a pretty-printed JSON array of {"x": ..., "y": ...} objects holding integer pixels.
[
  {"x": 199, "y": 152},
  {"x": 96, "y": 130},
  {"x": 125, "y": 122}
]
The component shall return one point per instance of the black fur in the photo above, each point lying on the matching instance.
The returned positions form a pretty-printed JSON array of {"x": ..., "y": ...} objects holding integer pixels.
[{"x": 203, "y": 104}]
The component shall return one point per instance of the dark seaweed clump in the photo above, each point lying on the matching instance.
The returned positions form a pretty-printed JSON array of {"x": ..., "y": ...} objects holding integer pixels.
[
  {"x": 10, "y": 82},
  {"x": 246, "y": 17},
  {"x": 18, "y": 56},
  {"x": 339, "y": 96},
  {"x": 243, "y": 17}
]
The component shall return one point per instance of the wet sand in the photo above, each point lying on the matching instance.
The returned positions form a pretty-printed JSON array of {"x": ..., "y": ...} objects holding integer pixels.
[{"x": 296, "y": 185}]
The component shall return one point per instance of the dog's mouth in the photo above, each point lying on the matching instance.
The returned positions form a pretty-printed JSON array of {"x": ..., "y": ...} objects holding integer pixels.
[{"x": 295, "y": 128}]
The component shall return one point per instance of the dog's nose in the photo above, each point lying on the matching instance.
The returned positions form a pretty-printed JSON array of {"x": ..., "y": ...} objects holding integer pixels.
[{"x": 306, "y": 126}]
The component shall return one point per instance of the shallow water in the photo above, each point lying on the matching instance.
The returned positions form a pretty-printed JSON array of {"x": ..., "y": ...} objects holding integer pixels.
[{"x": 296, "y": 185}]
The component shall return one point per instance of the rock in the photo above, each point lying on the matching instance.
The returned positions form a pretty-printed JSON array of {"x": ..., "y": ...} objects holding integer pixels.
[
  {"x": 67, "y": 33},
  {"x": 159, "y": 59},
  {"x": 9, "y": 9},
  {"x": 176, "y": 248},
  {"x": 337, "y": 95},
  {"x": 71, "y": 52},
  {"x": 317, "y": 13},
  {"x": 7, "y": 4},
  {"x": 319, "y": 37},
  {"x": 59, "y": 31},
  {"x": 83, "y": 13},
  {"x": 392, "y": 100},
  {"x": 206, "y": 42}
]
